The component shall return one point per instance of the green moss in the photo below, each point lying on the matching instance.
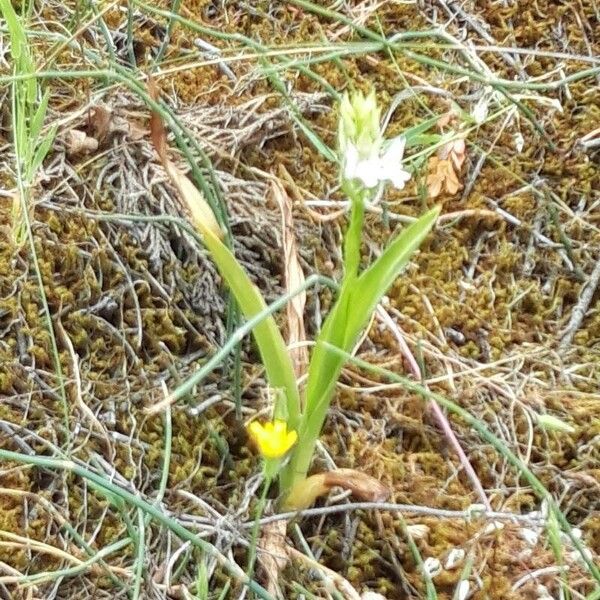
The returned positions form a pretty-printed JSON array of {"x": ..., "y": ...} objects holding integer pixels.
[{"x": 503, "y": 308}]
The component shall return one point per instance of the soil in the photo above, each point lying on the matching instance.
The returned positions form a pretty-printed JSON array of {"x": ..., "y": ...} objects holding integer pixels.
[{"x": 485, "y": 305}]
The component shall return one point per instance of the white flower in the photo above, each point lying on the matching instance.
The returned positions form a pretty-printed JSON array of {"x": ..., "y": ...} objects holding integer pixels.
[
  {"x": 366, "y": 157},
  {"x": 376, "y": 167}
]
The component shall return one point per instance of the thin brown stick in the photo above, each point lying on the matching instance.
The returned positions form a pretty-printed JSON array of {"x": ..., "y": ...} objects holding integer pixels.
[{"x": 580, "y": 309}]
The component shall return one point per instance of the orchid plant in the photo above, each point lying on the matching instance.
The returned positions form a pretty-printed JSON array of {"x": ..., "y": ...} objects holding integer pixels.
[{"x": 367, "y": 161}]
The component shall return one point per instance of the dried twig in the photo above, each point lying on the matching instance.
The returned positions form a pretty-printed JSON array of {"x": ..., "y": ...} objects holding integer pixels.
[
  {"x": 406, "y": 509},
  {"x": 580, "y": 309}
]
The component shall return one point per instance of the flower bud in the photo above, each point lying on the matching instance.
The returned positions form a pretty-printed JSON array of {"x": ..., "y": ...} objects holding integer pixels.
[
  {"x": 551, "y": 423},
  {"x": 364, "y": 155},
  {"x": 359, "y": 124}
]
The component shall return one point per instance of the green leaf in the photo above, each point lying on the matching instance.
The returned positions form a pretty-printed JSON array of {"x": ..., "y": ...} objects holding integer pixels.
[
  {"x": 202, "y": 581},
  {"x": 271, "y": 345},
  {"x": 425, "y": 139},
  {"x": 348, "y": 317},
  {"x": 376, "y": 280},
  {"x": 20, "y": 123},
  {"x": 412, "y": 133},
  {"x": 31, "y": 84}
]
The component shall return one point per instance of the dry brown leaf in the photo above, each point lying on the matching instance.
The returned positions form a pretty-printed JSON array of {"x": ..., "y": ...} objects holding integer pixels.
[
  {"x": 435, "y": 178},
  {"x": 454, "y": 151},
  {"x": 448, "y": 118},
  {"x": 441, "y": 175},
  {"x": 79, "y": 142},
  {"x": 451, "y": 180},
  {"x": 458, "y": 153},
  {"x": 100, "y": 122},
  {"x": 294, "y": 278},
  {"x": 103, "y": 122},
  {"x": 362, "y": 486},
  {"x": 445, "y": 119},
  {"x": 273, "y": 555},
  {"x": 201, "y": 212}
]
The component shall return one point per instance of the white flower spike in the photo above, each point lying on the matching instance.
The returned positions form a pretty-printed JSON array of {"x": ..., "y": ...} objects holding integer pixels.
[{"x": 364, "y": 154}]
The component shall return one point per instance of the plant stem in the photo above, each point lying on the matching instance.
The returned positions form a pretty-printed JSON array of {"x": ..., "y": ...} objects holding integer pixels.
[
  {"x": 260, "y": 508},
  {"x": 323, "y": 374}
]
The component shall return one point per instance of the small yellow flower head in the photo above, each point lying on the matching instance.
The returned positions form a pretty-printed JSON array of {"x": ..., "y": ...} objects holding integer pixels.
[{"x": 273, "y": 439}]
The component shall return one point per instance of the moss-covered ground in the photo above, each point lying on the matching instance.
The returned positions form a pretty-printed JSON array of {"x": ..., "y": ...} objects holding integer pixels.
[{"x": 486, "y": 306}]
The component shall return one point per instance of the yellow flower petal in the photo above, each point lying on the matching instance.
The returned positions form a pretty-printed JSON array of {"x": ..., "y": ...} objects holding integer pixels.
[{"x": 273, "y": 439}]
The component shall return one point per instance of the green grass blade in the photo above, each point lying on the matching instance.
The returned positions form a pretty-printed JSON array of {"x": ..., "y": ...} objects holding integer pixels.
[
  {"x": 310, "y": 134},
  {"x": 135, "y": 499},
  {"x": 414, "y": 134},
  {"x": 48, "y": 576},
  {"x": 41, "y": 151},
  {"x": 37, "y": 121},
  {"x": 17, "y": 34},
  {"x": 485, "y": 434}
]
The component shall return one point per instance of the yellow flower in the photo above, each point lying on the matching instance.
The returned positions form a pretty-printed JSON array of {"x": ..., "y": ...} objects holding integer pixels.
[{"x": 273, "y": 439}]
